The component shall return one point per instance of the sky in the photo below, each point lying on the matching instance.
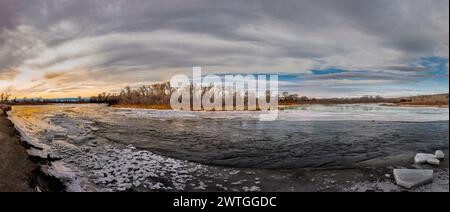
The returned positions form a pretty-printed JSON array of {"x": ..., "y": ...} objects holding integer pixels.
[{"x": 320, "y": 48}]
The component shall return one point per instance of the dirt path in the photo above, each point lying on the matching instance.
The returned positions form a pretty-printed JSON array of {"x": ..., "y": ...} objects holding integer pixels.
[{"x": 15, "y": 167}]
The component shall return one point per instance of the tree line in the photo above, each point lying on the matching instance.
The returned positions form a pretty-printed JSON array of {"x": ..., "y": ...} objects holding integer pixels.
[
  {"x": 159, "y": 94},
  {"x": 155, "y": 94}
]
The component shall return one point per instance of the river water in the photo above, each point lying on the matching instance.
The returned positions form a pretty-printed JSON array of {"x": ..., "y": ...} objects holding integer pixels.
[{"x": 116, "y": 149}]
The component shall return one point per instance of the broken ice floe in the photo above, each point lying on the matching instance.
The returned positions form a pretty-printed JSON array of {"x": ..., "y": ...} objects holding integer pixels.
[
  {"x": 422, "y": 158},
  {"x": 440, "y": 155},
  {"x": 129, "y": 170},
  {"x": 409, "y": 178}
]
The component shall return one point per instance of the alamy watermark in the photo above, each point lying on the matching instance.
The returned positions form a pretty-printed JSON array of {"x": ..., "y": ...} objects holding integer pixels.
[{"x": 226, "y": 93}]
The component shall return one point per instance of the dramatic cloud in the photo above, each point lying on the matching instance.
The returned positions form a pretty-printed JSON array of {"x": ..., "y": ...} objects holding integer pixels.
[{"x": 54, "y": 43}]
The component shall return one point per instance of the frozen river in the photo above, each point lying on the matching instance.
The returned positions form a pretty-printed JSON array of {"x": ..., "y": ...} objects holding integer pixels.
[{"x": 108, "y": 148}]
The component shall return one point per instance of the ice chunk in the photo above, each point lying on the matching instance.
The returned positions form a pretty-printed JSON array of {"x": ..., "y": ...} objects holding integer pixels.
[
  {"x": 439, "y": 155},
  {"x": 409, "y": 178},
  {"x": 251, "y": 189},
  {"x": 433, "y": 161},
  {"x": 422, "y": 158}
]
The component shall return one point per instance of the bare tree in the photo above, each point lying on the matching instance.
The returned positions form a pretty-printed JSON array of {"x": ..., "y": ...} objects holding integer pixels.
[{"x": 4, "y": 96}]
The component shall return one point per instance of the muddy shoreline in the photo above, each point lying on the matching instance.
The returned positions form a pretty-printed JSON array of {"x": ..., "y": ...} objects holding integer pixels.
[{"x": 18, "y": 171}]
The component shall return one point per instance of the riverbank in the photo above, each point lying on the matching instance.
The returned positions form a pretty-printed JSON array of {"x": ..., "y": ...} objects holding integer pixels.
[{"x": 16, "y": 170}]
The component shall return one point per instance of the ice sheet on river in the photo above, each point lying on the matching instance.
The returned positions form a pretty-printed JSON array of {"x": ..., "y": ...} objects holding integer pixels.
[{"x": 364, "y": 112}]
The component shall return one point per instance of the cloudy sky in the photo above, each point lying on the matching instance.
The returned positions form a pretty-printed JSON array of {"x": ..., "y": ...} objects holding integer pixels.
[{"x": 320, "y": 48}]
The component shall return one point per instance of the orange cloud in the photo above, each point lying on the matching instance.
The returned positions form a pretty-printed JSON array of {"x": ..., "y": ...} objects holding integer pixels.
[
  {"x": 53, "y": 75},
  {"x": 8, "y": 74}
]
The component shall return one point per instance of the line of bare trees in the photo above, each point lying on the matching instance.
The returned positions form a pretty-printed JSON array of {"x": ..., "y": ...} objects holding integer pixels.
[
  {"x": 155, "y": 94},
  {"x": 287, "y": 98},
  {"x": 159, "y": 95}
]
